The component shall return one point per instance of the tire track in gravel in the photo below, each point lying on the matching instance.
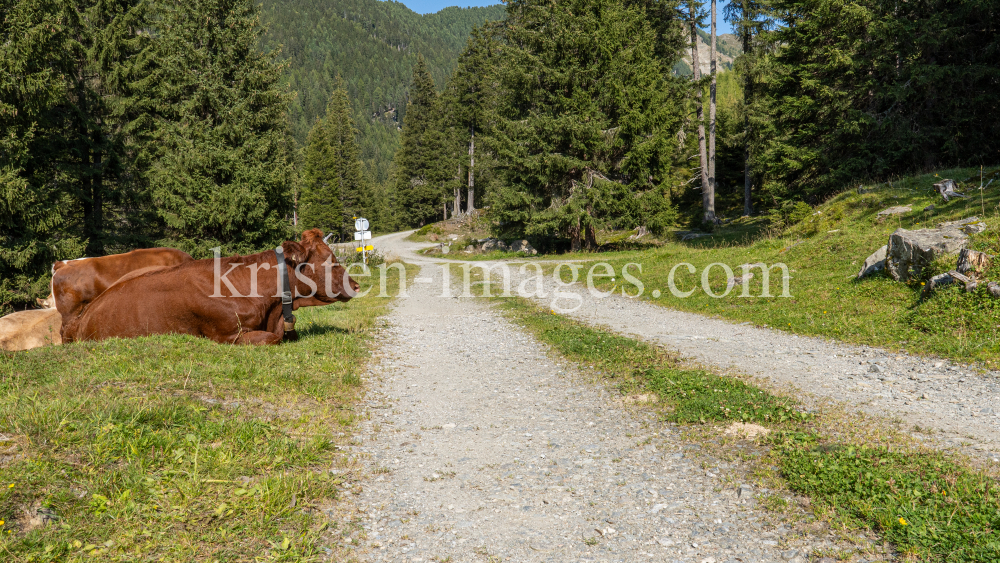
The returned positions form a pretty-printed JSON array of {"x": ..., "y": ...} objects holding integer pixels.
[
  {"x": 486, "y": 447},
  {"x": 960, "y": 404}
]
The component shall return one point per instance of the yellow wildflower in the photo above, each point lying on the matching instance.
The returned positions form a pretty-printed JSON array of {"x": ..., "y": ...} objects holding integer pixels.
[{"x": 902, "y": 521}]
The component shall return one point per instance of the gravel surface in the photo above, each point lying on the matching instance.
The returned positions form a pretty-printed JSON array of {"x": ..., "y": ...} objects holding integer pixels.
[
  {"x": 487, "y": 447},
  {"x": 960, "y": 404}
]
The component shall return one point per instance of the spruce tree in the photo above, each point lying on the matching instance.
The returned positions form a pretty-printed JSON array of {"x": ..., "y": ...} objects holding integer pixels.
[
  {"x": 586, "y": 124},
  {"x": 469, "y": 93},
  {"x": 319, "y": 204},
  {"x": 35, "y": 225},
  {"x": 418, "y": 167},
  {"x": 334, "y": 190},
  {"x": 221, "y": 171}
]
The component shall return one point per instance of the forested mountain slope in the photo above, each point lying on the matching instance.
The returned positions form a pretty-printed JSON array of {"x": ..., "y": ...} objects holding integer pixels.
[{"x": 373, "y": 45}]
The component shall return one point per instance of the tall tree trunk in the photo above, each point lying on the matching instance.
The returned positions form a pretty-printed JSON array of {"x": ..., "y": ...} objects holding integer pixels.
[
  {"x": 590, "y": 238},
  {"x": 747, "y": 100},
  {"x": 458, "y": 192},
  {"x": 574, "y": 237},
  {"x": 709, "y": 197},
  {"x": 696, "y": 68},
  {"x": 747, "y": 180},
  {"x": 470, "y": 202}
]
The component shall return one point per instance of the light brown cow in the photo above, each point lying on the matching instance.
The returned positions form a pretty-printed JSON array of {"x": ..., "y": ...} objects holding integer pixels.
[
  {"x": 75, "y": 283},
  {"x": 25, "y": 330}
]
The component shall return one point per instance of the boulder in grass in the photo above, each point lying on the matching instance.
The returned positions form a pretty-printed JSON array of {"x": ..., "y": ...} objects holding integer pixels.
[
  {"x": 491, "y": 244},
  {"x": 994, "y": 289},
  {"x": 969, "y": 225},
  {"x": 897, "y": 210},
  {"x": 909, "y": 252},
  {"x": 874, "y": 263}
]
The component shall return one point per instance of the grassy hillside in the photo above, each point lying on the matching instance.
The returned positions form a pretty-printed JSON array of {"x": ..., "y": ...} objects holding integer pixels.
[
  {"x": 824, "y": 252},
  {"x": 373, "y": 44}
]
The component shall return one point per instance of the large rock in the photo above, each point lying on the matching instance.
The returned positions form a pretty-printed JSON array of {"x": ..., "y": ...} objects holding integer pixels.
[
  {"x": 969, "y": 225},
  {"x": 491, "y": 244},
  {"x": 909, "y": 252},
  {"x": 874, "y": 263},
  {"x": 523, "y": 246},
  {"x": 25, "y": 330},
  {"x": 898, "y": 210}
]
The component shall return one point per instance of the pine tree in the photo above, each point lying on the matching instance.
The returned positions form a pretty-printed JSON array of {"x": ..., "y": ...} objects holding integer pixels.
[
  {"x": 469, "y": 93},
  {"x": 418, "y": 168},
  {"x": 34, "y": 223},
  {"x": 707, "y": 191},
  {"x": 334, "y": 189},
  {"x": 70, "y": 135},
  {"x": 747, "y": 18},
  {"x": 343, "y": 143},
  {"x": 320, "y": 205},
  {"x": 584, "y": 129},
  {"x": 222, "y": 170}
]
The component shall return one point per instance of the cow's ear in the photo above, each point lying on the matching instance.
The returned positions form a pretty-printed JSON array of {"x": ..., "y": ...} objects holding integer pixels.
[
  {"x": 295, "y": 252},
  {"x": 312, "y": 236}
]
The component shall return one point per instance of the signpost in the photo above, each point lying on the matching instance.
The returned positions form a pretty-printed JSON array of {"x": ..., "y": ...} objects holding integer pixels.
[{"x": 362, "y": 234}]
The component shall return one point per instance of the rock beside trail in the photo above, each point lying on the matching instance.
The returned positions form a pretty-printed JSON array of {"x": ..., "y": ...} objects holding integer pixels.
[
  {"x": 909, "y": 252},
  {"x": 874, "y": 263},
  {"x": 492, "y": 244},
  {"x": 522, "y": 246}
]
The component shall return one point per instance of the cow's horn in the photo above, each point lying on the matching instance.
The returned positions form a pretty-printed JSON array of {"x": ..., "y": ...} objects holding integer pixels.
[{"x": 327, "y": 237}]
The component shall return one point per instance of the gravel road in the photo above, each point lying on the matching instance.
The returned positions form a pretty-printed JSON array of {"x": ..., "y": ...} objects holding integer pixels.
[
  {"x": 961, "y": 405},
  {"x": 486, "y": 447}
]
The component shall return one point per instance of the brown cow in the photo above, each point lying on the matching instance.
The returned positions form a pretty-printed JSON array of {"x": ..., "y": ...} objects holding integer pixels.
[
  {"x": 203, "y": 298},
  {"x": 75, "y": 283}
]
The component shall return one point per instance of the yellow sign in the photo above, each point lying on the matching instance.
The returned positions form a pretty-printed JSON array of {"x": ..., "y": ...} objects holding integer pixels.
[{"x": 369, "y": 247}]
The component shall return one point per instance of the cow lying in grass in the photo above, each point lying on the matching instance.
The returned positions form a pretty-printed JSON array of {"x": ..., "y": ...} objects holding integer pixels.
[
  {"x": 25, "y": 330},
  {"x": 215, "y": 298},
  {"x": 75, "y": 283}
]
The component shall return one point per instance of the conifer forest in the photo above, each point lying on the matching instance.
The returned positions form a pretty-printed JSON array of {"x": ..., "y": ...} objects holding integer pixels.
[{"x": 236, "y": 124}]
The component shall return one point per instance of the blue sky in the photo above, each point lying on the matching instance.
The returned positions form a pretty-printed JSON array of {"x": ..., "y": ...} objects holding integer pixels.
[{"x": 431, "y": 6}]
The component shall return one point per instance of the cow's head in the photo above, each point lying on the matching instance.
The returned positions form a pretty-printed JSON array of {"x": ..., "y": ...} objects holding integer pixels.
[{"x": 312, "y": 259}]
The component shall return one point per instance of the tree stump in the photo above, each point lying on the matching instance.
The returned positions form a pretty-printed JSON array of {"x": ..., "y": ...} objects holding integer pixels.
[
  {"x": 947, "y": 189},
  {"x": 973, "y": 262}
]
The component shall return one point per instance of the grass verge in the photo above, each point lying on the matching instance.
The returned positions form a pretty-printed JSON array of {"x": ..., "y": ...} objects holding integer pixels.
[
  {"x": 175, "y": 448},
  {"x": 932, "y": 506}
]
